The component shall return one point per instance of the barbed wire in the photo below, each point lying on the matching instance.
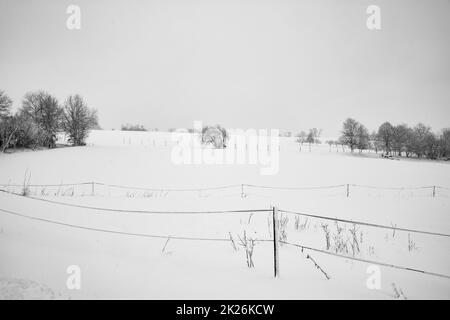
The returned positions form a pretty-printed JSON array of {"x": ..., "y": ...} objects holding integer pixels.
[{"x": 367, "y": 261}]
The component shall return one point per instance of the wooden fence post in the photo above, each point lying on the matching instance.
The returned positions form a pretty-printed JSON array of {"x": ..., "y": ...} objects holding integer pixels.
[
  {"x": 434, "y": 191},
  {"x": 92, "y": 188},
  {"x": 348, "y": 190},
  {"x": 276, "y": 259},
  {"x": 242, "y": 190}
]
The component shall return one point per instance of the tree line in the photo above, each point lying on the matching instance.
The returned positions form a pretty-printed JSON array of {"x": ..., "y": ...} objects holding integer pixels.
[
  {"x": 40, "y": 118},
  {"x": 401, "y": 140}
]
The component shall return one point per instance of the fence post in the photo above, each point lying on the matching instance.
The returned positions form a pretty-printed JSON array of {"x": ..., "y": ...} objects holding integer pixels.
[
  {"x": 348, "y": 190},
  {"x": 92, "y": 188},
  {"x": 276, "y": 259},
  {"x": 242, "y": 190},
  {"x": 434, "y": 191}
]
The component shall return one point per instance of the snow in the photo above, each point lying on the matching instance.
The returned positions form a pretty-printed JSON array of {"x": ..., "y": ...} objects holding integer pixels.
[{"x": 37, "y": 253}]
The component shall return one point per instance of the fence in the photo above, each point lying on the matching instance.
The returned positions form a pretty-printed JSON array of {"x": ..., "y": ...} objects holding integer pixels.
[
  {"x": 94, "y": 188},
  {"x": 275, "y": 224}
]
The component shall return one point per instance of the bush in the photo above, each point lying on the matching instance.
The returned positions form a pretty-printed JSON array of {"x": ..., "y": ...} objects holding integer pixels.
[
  {"x": 132, "y": 127},
  {"x": 215, "y": 136}
]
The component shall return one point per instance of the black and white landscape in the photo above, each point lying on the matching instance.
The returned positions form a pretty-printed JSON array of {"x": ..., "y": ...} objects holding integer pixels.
[{"x": 224, "y": 149}]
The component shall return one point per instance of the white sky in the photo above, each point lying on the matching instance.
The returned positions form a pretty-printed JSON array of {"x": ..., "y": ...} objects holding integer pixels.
[{"x": 284, "y": 64}]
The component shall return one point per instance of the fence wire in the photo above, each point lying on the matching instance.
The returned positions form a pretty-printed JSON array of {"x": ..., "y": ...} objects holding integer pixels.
[
  {"x": 133, "y": 210},
  {"x": 155, "y": 236},
  {"x": 367, "y": 261},
  {"x": 228, "y": 211},
  {"x": 368, "y": 224},
  {"x": 231, "y": 186}
]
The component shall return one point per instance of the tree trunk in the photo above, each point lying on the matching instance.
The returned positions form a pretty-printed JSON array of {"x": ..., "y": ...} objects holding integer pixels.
[{"x": 5, "y": 145}]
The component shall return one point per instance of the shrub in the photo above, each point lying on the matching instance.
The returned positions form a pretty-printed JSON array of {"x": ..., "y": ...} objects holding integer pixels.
[
  {"x": 215, "y": 136},
  {"x": 132, "y": 127}
]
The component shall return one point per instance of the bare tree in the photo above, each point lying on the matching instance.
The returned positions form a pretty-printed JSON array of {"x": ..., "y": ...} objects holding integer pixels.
[
  {"x": 350, "y": 133},
  {"x": 445, "y": 143},
  {"x": 385, "y": 135},
  {"x": 78, "y": 119},
  {"x": 399, "y": 138},
  {"x": 45, "y": 112},
  {"x": 7, "y": 129},
  {"x": 301, "y": 137},
  {"x": 362, "y": 137},
  {"x": 313, "y": 135},
  {"x": 419, "y": 139},
  {"x": 5, "y": 105}
]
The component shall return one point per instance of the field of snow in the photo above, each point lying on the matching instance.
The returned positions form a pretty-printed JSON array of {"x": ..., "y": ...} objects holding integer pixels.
[{"x": 35, "y": 254}]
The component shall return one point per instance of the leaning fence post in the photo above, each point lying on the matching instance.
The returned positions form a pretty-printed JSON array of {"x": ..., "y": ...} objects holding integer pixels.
[
  {"x": 276, "y": 259},
  {"x": 348, "y": 190},
  {"x": 434, "y": 191}
]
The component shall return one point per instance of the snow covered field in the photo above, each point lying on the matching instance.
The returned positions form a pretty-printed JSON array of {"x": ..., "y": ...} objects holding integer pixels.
[{"x": 35, "y": 255}]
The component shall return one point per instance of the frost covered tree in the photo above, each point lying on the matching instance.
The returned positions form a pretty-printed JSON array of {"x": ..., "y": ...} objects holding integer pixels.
[{"x": 78, "y": 119}]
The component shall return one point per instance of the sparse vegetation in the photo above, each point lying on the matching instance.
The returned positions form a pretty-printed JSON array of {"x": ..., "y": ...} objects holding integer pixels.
[
  {"x": 248, "y": 244},
  {"x": 298, "y": 225},
  {"x": 327, "y": 235},
  {"x": 398, "y": 292}
]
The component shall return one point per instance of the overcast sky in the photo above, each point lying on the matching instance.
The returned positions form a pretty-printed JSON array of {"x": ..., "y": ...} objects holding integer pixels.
[{"x": 284, "y": 64}]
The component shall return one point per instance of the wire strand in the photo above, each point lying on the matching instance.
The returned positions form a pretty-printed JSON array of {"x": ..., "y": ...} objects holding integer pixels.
[
  {"x": 368, "y": 261},
  {"x": 116, "y": 231},
  {"x": 135, "y": 211},
  {"x": 146, "y": 235},
  {"x": 226, "y": 187},
  {"x": 365, "y": 223}
]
